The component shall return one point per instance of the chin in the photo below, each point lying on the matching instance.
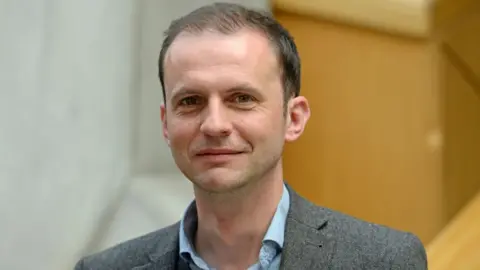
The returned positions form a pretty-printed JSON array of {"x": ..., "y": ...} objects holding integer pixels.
[{"x": 220, "y": 180}]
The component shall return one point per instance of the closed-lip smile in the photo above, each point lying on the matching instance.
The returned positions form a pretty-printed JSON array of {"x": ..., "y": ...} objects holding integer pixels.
[{"x": 217, "y": 151}]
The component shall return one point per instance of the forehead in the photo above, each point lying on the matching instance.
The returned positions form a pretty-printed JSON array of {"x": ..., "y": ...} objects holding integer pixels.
[{"x": 246, "y": 52}]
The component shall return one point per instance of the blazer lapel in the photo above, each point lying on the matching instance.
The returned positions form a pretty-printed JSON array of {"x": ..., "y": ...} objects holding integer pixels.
[
  {"x": 165, "y": 255},
  {"x": 166, "y": 262},
  {"x": 307, "y": 246}
]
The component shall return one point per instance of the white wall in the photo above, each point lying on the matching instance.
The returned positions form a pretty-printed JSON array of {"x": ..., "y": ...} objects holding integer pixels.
[
  {"x": 79, "y": 109},
  {"x": 65, "y": 84},
  {"x": 152, "y": 202}
]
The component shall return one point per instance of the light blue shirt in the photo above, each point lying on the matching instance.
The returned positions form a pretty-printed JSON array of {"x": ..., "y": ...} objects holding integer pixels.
[{"x": 272, "y": 244}]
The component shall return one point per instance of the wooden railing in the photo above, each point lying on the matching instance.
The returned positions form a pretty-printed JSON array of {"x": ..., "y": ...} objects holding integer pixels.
[{"x": 457, "y": 246}]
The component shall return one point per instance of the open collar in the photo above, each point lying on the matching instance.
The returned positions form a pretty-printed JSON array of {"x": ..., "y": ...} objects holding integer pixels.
[{"x": 307, "y": 245}]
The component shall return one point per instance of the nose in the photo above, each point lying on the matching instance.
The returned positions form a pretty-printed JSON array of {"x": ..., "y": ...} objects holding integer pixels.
[{"x": 215, "y": 121}]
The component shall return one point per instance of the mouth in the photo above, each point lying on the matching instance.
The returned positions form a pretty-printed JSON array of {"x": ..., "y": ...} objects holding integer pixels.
[{"x": 218, "y": 152}]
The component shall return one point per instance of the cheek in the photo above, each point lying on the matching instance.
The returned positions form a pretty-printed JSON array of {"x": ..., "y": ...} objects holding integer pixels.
[
  {"x": 180, "y": 134},
  {"x": 262, "y": 129}
]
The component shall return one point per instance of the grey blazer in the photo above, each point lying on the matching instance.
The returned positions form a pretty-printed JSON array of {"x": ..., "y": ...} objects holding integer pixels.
[{"x": 315, "y": 238}]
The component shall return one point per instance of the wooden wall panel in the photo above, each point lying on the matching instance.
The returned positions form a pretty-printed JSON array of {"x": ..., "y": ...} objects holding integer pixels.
[
  {"x": 462, "y": 35},
  {"x": 461, "y": 169},
  {"x": 372, "y": 148},
  {"x": 410, "y": 18}
]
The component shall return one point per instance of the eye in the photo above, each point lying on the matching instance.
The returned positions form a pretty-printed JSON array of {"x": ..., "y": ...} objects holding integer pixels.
[
  {"x": 190, "y": 101},
  {"x": 243, "y": 98}
]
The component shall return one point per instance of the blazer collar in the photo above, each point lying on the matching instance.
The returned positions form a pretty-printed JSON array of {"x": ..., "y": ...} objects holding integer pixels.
[
  {"x": 307, "y": 245},
  {"x": 165, "y": 254}
]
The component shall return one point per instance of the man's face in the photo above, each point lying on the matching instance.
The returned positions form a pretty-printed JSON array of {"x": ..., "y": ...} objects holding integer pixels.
[{"x": 223, "y": 115}]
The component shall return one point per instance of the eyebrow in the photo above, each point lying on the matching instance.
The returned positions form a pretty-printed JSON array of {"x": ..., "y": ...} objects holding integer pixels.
[{"x": 245, "y": 87}]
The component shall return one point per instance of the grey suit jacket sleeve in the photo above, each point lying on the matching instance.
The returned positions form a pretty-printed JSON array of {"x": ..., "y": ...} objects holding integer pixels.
[
  {"x": 147, "y": 252},
  {"x": 79, "y": 265},
  {"x": 409, "y": 254}
]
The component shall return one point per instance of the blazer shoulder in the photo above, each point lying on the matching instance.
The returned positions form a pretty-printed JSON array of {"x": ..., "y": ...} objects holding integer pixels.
[
  {"x": 377, "y": 243},
  {"x": 134, "y": 252}
]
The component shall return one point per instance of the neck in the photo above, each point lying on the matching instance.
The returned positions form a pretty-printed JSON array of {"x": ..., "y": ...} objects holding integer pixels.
[{"x": 231, "y": 226}]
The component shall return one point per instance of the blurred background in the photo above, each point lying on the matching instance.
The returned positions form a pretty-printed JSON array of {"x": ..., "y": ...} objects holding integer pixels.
[{"x": 394, "y": 137}]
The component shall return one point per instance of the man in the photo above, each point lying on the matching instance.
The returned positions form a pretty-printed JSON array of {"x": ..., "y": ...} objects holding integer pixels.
[{"x": 231, "y": 82}]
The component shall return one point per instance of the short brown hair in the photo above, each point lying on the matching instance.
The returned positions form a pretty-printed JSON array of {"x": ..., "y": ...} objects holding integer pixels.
[{"x": 228, "y": 18}]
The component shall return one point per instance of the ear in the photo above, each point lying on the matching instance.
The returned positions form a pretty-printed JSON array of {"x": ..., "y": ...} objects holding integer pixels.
[
  {"x": 298, "y": 113},
  {"x": 163, "y": 116}
]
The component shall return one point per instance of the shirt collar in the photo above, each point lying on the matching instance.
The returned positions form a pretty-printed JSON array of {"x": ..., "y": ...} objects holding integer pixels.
[{"x": 275, "y": 232}]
